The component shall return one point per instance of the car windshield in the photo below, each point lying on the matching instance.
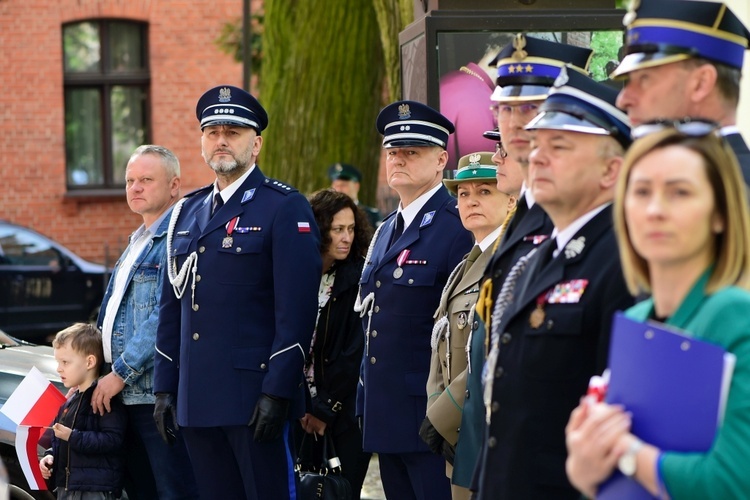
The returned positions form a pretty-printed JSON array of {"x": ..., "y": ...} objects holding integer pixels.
[{"x": 7, "y": 341}]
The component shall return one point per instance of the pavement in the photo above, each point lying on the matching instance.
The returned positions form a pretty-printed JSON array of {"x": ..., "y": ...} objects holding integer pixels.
[{"x": 372, "y": 489}]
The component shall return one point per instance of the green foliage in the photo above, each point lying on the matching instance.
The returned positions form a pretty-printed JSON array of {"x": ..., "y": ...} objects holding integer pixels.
[
  {"x": 606, "y": 46},
  {"x": 229, "y": 40},
  {"x": 322, "y": 85}
]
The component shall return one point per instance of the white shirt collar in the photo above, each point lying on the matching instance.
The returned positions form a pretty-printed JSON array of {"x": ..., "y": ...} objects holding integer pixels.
[
  {"x": 410, "y": 212},
  {"x": 490, "y": 238},
  {"x": 729, "y": 130},
  {"x": 228, "y": 191},
  {"x": 527, "y": 195},
  {"x": 564, "y": 236}
]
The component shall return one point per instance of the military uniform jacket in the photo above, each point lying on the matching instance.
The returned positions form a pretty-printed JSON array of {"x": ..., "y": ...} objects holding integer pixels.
[
  {"x": 446, "y": 384},
  {"x": 738, "y": 145},
  {"x": 528, "y": 228},
  {"x": 246, "y": 327},
  {"x": 396, "y": 362},
  {"x": 542, "y": 372}
]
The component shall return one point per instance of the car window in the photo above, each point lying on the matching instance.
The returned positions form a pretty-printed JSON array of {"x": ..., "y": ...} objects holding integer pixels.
[{"x": 24, "y": 248}]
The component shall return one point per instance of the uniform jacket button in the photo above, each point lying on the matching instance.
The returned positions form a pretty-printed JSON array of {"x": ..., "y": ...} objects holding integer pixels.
[
  {"x": 499, "y": 372},
  {"x": 196, "y": 336},
  {"x": 506, "y": 338},
  {"x": 202, "y": 249},
  {"x": 374, "y": 333},
  {"x": 475, "y": 325},
  {"x": 196, "y": 307},
  {"x": 492, "y": 442},
  {"x": 197, "y": 278},
  {"x": 467, "y": 394},
  {"x": 373, "y": 360},
  {"x": 377, "y": 284},
  {"x": 262, "y": 366},
  {"x": 377, "y": 309},
  {"x": 495, "y": 406}
]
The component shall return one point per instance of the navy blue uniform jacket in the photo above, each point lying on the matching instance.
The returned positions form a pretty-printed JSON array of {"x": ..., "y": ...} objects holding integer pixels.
[
  {"x": 542, "y": 372},
  {"x": 248, "y": 329},
  {"x": 397, "y": 350}
]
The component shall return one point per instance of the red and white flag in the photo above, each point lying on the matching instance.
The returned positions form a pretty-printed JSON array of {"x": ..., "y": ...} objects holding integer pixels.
[
  {"x": 32, "y": 406},
  {"x": 34, "y": 402},
  {"x": 27, "y": 440}
]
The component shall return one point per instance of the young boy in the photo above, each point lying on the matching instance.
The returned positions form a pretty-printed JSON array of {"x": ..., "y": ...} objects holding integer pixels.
[{"x": 86, "y": 458}]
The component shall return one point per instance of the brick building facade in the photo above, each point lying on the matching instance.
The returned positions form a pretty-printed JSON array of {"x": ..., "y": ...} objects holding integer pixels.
[{"x": 183, "y": 61}]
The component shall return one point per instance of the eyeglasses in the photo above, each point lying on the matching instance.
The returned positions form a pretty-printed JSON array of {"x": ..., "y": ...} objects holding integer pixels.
[
  {"x": 525, "y": 110},
  {"x": 692, "y": 127},
  {"x": 501, "y": 150}
]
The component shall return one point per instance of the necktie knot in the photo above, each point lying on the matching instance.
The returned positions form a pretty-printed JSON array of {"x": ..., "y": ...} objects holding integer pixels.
[
  {"x": 474, "y": 254},
  {"x": 398, "y": 229},
  {"x": 218, "y": 203}
]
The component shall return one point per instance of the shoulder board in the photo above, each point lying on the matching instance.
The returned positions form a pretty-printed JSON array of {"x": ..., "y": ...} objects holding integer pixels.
[
  {"x": 279, "y": 186},
  {"x": 199, "y": 190}
]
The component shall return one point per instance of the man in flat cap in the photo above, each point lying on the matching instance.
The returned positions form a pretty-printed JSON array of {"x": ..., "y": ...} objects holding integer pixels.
[
  {"x": 409, "y": 260},
  {"x": 554, "y": 335},
  {"x": 346, "y": 179},
  {"x": 237, "y": 312},
  {"x": 526, "y": 70},
  {"x": 684, "y": 61}
]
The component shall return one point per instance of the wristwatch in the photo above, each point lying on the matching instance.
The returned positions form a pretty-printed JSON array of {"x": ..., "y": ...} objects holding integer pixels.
[{"x": 627, "y": 462}]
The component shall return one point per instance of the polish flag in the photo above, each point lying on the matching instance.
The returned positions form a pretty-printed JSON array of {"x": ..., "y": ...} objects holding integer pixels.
[
  {"x": 32, "y": 406},
  {"x": 27, "y": 441},
  {"x": 303, "y": 227},
  {"x": 35, "y": 401}
]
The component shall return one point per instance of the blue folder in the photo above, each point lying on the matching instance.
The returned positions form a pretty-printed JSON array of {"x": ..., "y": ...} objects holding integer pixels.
[{"x": 675, "y": 386}]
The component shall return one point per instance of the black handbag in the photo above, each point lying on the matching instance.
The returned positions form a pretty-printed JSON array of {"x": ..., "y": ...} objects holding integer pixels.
[{"x": 322, "y": 482}]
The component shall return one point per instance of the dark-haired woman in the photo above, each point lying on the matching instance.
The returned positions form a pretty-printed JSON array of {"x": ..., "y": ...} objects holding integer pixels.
[{"x": 332, "y": 369}]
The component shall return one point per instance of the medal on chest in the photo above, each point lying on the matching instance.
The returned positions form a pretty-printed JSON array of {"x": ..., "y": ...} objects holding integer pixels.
[{"x": 228, "y": 241}]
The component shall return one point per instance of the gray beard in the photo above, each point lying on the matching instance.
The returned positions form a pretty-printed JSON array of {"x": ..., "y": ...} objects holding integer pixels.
[{"x": 224, "y": 166}]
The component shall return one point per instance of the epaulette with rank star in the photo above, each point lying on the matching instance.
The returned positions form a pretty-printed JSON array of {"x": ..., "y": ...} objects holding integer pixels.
[{"x": 279, "y": 186}]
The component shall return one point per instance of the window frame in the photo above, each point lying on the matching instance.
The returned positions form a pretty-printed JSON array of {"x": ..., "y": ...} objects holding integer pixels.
[{"x": 104, "y": 80}]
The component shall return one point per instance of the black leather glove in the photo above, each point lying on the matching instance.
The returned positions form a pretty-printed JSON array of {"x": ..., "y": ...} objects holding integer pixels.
[
  {"x": 165, "y": 409},
  {"x": 269, "y": 417},
  {"x": 448, "y": 452},
  {"x": 431, "y": 436}
]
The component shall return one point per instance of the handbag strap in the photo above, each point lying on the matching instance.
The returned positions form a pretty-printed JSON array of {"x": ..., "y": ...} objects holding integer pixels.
[{"x": 330, "y": 457}]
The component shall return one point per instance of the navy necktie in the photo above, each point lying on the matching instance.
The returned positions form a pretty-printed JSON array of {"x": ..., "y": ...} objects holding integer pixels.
[
  {"x": 218, "y": 203},
  {"x": 398, "y": 229}
]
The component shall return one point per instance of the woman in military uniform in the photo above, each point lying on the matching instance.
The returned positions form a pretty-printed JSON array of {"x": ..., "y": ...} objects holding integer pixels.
[{"x": 483, "y": 209}]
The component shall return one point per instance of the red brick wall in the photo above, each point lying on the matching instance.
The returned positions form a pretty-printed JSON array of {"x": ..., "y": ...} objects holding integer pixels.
[{"x": 184, "y": 61}]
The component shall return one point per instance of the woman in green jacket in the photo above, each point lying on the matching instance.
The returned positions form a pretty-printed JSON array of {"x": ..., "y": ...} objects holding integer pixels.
[{"x": 683, "y": 226}]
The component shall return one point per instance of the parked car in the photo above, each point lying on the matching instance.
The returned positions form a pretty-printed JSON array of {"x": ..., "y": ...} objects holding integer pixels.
[
  {"x": 16, "y": 360},
  {"x": 44, "y": 287}
]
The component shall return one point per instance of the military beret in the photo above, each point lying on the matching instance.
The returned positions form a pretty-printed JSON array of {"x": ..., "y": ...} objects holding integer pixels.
[
  {"x": 345, "y": 172},
  {"x": 527, "y": 67},
  {"x": 411, "y": 123},
  {"x": 228, "y": 105},
  {"x": 472, "y": 168},
  {"x": 665, "y": 31},
  {"x": 577, "y": 103}
]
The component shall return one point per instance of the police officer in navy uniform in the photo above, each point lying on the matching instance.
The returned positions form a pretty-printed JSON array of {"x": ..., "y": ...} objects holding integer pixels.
[
  {"x": 409, "y": 261},
  {"x": 346, "y": 179},
  {"x": 517, "y": 97},
  {"x": 237, "y": 312},
  {"x": 684, "y": 60},
  {"x": 554, "y": 335}
]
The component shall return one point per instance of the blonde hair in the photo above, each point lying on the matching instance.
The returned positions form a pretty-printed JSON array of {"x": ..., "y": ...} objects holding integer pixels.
[
  {"x": 84, "y": 339},
  {"x": 731, "y": 247}
]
